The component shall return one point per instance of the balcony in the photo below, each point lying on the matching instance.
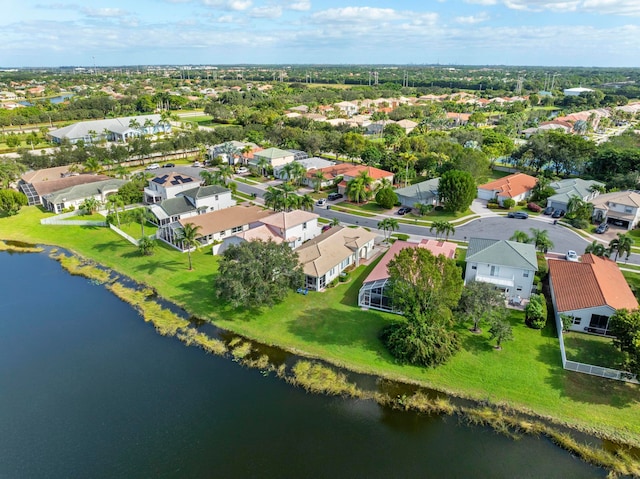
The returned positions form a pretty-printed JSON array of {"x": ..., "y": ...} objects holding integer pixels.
[{"x": 504, "y": 281}]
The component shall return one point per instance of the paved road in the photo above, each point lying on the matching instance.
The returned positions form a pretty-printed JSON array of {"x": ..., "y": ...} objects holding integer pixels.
[{"x": 497, "y": 227}]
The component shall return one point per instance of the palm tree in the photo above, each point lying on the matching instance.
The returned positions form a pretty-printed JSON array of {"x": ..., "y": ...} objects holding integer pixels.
[
  {"x": 382, "y": 184},
  {"x": 286, "y": 172},
  {"x": 210, "y": 178},
  {"x": 408, "y": 159},
  {"x": 306, "y": 202},
  {"x": 442, "y": 227},
  {"x": 134, "y": 125},
  {"x": 245, "y": 153},
  {"x": 230, "y": 152},
  {"x": 520, "y": 237},
  {"x": 388, "y": 225},
  {"x": 90, "y": 205},
  {"x": 92, "y": 165},
  {"x": 224, "y": 174},
  {"x": 596, "y": 248},
  {"x": 142, "y": 215},
  {"x": 188, "y": 235},
  {"x": 356, "y": 190},
  {"x": 115, "y": 202},
  {"x": 264, "y": 165},
  {"x": 318, "y": 179},
  {"x": 335, "y": 222},
  {"x": 146, "y": 245},
  {"x": 621, "y": 244},
  {"x": 274, "y": 198},
  {"x": 541, "y": 239}
]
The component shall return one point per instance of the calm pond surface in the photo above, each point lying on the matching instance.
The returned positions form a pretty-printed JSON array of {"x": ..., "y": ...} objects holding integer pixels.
[{"x": 88, "y": 390}]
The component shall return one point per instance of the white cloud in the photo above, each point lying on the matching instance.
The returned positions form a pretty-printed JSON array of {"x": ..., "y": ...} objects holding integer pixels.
[
  {"x": 301, "y": 6},
  {"x": 609, "y": 7},
  {"x": 236, "y": 5},
  {"x": 356, "y": 14},
  {"x": 266, "y": 12},
  {"x": 472, "y": 19},
  {"x": 482, "y": 2},
  {"x": 104, "y": 12}
]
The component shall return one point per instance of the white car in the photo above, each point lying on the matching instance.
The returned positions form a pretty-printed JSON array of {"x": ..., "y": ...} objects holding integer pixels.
[
  {"x": 242, "y": 170},
  {"x": 197, "y": 164},
  {"x": 321, "y": 202},
  {"x": 571, "y": 256},
  {"x": 153, "y": 166}
]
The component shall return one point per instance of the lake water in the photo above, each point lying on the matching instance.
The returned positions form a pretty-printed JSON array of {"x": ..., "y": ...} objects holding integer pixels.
[
  {"x": 54, "y": 100},
  {"x": 88, "y": 390}
]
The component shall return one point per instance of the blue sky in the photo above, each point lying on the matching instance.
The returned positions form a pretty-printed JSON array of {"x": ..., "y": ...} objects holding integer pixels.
[{"x": 479, "y": 32}]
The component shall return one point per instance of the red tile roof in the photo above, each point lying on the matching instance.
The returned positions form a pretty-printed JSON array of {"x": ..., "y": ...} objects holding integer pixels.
[
  {"x": 593, "y": 282},
  {"x": 436, "y": 247},
  {"x": 512, "y": 185}
]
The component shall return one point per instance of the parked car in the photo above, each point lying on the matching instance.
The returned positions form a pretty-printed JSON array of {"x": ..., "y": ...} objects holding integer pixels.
[
  {"x": 168, "y": 165},
  {"x": 403, "y": 210},
  {"x": 334, "y": 196},
  {"x": 326, "y": 227},
  {"x": 558, "y": 214},
  {"x": 321, "y": 202},
  {"x": 242, "y": 170},
  {"x": 619, "y": 223},
  {"x": 549, "y": 210},
  {"x": 602, "y": 227},
  {"x": 197, "y": 164},
  {"x": 571, "y": 256},
  {"x": 153, "y": 166},
  {"x": 521, "y": 215}
]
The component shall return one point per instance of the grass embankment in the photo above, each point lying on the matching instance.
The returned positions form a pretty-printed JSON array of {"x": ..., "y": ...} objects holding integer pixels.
[{"x": 526, "y": 374}]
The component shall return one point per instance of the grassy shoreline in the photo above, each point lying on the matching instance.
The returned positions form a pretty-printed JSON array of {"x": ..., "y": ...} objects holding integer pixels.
[{"x": 328, "y": 326}]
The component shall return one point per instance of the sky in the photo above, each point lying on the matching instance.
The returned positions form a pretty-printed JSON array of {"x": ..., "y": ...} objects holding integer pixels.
[{"x": 602, "y": 33}]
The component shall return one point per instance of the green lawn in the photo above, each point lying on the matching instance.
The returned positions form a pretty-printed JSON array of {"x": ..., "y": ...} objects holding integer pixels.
[
  {"x": 135, "y": 230},
  {"x": 590, "y": 349},
  {"x": 439, "y": 215},
  {"x": 526, "y": 374}
]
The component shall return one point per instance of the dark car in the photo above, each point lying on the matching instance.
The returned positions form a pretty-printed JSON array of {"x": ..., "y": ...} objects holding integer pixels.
[
  {"x": 549, "y": 210},
  {"x": 521, "y": 215},
  {"x": 602, "y": 227},
  {"x": 334, "y": 196},
  {"x": 168, "y": 165},
  {"x": 558, "y": 214},
  {"x": 403, "y": 210}
]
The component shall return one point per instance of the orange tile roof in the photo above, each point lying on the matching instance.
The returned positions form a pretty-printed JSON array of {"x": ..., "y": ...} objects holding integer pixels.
[
  {"x": 375, "y": 173},
  {"x": 512, "y": 185},
  {"x": 593, "y": 282}
]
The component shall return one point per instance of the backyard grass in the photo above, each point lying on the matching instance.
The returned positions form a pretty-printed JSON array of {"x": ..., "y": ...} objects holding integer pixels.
[
  {"x": 590, "y": 349},
  {"x": 526, "y": 374},
  {"x": 134, "y": 229}
]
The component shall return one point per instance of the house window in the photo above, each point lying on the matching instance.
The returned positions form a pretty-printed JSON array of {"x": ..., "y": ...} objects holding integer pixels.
[
  {"x": 304, "y": 226},
  {"x": 628, "y": 209},
  {"x": 222, "y": 233},
  {"x": 474, "y": 267},
  {"x": 236, "y": 229},
  {"x": 495, "y": 271},
  {"x": 575, "y": 320},
  {"x": 519, "y": 289},
  {"x": 345, "y": 263},
  {"x": 598, "y": 321},
  {"x": 525, "y": 274},
  {"x": 216, "y": 197}
]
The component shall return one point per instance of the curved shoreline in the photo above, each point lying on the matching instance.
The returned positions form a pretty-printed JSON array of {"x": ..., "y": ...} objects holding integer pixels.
[{"x": 492, "y": 413}]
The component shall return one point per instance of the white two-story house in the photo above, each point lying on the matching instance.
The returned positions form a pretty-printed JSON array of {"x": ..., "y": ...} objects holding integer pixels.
[
  {"x": 196, "y": 201},
  {"x": 621, "y": 208},
  {"x": 274, "y": 157},
  {"x": 167, "y": 186},
  {"x": 508, "y": 265}
]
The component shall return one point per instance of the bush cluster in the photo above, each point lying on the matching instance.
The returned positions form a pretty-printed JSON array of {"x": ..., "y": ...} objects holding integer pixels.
[{"x": 534, "y": 207}]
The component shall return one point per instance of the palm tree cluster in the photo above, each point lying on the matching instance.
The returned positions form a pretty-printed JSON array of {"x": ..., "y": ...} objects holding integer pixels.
[
  {"x": 359, "y": 188},
  {"x": 283, "y": 198},
  {"x": 388, "y": 225},
  {"x": 293, "y": 172},
  {"x": 442, "y": 228}
]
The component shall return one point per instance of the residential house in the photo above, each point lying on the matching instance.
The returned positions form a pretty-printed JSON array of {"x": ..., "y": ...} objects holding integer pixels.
[
  {"x": 458, "y": 119},
  {"x": 589, "y": 292},
  {"x": 326, "y": 256},
  {"x": 311, "y": 165},
  {"x": 425, "y": 192},
  {"x": 192, "y": 202},
  {"x": 293, "y": 227},
  {"x": 508, "y": 265},
  {"x": 167, "y": 186},
  {"x": 214, "y": 226},
  {"x": 37, "y": 184},
  {"x": 274, "y": 156},
  {"x": 346, "y": 107},
  {"x": 374, "y": 291},
  {"x": 408, "y": 125},
  {"x": 621, "y": 208},
  {"x": 331, "y": 174},
  {"x": 517, "y": 187},
  {"x": 110, "y": 129},
  {"x": 74, "y": 196},
  {"x": 238, "y": 146},
  {"x": 586, "y": 190},
  {"x": 376, "y": 174}
]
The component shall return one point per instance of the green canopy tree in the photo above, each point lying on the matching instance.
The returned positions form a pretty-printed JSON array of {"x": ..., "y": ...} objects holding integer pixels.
[
  {"x": 90, "y": 205},
  {"x": 478, "y": 302},
  {"x": 456, "y": 190},
  {"x": 596, "y": 248},
  {"x": 625, "y": 326},
  {"x": 520, "y": 237},
  {"x": 11, "y": 201},
  {"x": 257, "y": 273},
  {"x": 501, "y": 329},
  {"x": 388, "y": 225},
  {"x": 621, "y": 245},
  {"x": 540, "y": 239},
  {"x": 386, "y": 198}
]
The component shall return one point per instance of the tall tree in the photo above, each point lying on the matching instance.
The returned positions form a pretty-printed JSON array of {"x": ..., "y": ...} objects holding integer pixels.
[
  {"x": 388, "y": 225},
  {"x": 115, "y": 203},
  {"x": 442, "y": 228},
  {"x": 625, "y": 326},
  {"x": 478, "y": 302},
  {"x": 501, "y": 329},
  {"x": 188, "y": 235},
  {"x": 597, "y": 249},
  {"x": 11, "y": 201},
  {"x": 456, "y": 190},
  {"x": 318, "y": 179},
  {"x": 540, "y": 239},
  {"x": 257, "y": 273},
  {"x": 520, "y": 237},
  {"x": 621, "y": 245}
]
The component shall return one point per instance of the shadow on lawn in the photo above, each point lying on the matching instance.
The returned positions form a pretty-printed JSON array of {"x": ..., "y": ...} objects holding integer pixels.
[
  {"x": 586, "y": 388},
  {"x": 340, "y": 328}
]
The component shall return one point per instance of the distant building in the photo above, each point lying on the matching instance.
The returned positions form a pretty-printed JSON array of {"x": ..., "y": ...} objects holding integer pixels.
[
  {"x": 110, "y": 129},
  {"x": 576, "y": 91}
]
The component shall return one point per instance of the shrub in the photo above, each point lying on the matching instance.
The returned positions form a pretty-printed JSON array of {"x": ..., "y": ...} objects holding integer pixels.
[
  {"x": 439, "y": 208},
  {"x": 522, "y": 202},
  {"x": 580, "y": 223},
  {"x": 534, "y": 207},
  {"x": 386, "y": 198},
  {"x": 493, "y": 206},
  {"x": 509, "y": 203},
  {"x": 536, "y": 312}
]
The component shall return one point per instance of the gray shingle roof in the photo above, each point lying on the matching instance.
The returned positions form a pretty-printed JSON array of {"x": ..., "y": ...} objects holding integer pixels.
[
  {"x": 421, "y": 192},
  {"x": 87, "y": 190},
  {"x": 569, "y": 187},
  {"x": 117, "y": 125},
  {"x": 177, "y": 206},
  {"x": 502, "y": 252},
  {"x": 204, "y": 191}
]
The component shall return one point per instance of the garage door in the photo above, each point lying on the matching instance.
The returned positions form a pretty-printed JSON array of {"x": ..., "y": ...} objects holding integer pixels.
[
  {"x": 557, "y": 205},
  {"x": 617, "y": 222}
]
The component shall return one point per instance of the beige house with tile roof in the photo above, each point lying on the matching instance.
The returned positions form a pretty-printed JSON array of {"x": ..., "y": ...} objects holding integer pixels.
[
  {"x": 326, "y": 256},
  {"x": 621, "y": 208}
]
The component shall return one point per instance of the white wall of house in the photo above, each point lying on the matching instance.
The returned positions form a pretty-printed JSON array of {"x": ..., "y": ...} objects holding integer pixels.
[
  {"x": 215, "y": 202},
  {"x": 582, "y": 317},
  {"x": 303, "y": 232},
  {"x": 515, "y": 281}
]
